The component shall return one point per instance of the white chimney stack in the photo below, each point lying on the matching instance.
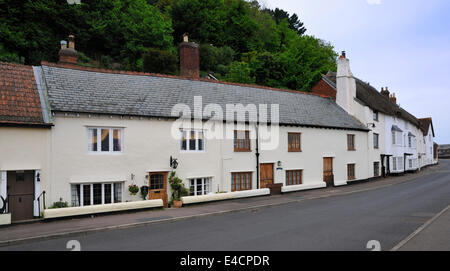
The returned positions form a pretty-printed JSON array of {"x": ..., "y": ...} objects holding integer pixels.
[{"x": 345, "y": 84}]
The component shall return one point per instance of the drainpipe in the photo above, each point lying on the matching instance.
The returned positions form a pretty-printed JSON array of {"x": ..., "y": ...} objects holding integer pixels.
[{"x": 257, "y": 153}]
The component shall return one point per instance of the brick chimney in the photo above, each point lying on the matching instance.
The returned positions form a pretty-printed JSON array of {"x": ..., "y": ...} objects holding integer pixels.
[
  {"x": 393, "y": 98},
  {"x": 345, "y": 84},
  {"x": 385, "y": 92},
  {"x": 68, "y": 54},
  {"x": 189, "y": 58}
]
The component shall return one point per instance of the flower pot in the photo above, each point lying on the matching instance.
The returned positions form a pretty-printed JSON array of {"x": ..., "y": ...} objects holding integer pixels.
[{"x": 177, "y": 203}]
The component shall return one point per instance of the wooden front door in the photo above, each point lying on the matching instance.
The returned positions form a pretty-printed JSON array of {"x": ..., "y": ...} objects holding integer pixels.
[
  {"x": 20, "y": 194},
  {"x": 266, "y": 175},
  {"x": 328, "y": 176},
  {"x": 158, "y": 186}
]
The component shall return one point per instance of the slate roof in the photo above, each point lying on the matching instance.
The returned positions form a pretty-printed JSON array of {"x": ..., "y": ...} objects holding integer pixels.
[
  {"x": 371, "y": 97},
  {"x": 88, "y": 90},
  {"x": 19, "y": 97}
]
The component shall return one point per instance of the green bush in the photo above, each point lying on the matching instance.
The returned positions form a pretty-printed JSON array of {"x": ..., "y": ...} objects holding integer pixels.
[
  {"x": 59, "y": 204},
  {"x": 177, "y": 186}
]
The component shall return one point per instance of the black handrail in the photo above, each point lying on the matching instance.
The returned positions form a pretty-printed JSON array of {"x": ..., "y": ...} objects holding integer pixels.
[
  {"x": 39, "y": 202},
  {"x": 4, "y": 209}
]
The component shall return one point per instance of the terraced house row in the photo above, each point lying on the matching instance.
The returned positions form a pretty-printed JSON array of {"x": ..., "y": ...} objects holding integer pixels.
[{"x": 83, "y": 135}]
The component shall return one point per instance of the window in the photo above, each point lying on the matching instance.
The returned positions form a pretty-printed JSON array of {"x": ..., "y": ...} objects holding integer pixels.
[
  {"x": 394, "y": 163},
  {"x": 376, "y": 169},
  {"x": 409, "y": 141},
  {"x": 103, "y": 140},
  {"x": 192, "y": 140},
  {"x": 294, "y": 177},
  {"x": 351, "y": 142},
  {"x": 351, "y": 172},
  {"x": 241, "y": 181},
  {"x": 96, "y": 194},
  {"x": 410, "y": 163},
  {"x": 294, "y": 143},
  {"x": 394, "y": 141},
  {"x": 156, "y": 181},
  {"x": 241, "y": 141},
  {"x": 200, "y": 186},
  {"x": 375, "y": 141},
  {"x": 375, "y": 115}
]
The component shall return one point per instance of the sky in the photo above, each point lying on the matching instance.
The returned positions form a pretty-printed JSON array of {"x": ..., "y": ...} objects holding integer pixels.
[{"x": 400, "y": 44}]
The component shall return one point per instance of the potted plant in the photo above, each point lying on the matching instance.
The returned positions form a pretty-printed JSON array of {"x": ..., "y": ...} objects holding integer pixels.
[
  {"x": 178, "y": 190},
  {"x": 133, "y": 189},
  {"x": 144, "y": 192}
]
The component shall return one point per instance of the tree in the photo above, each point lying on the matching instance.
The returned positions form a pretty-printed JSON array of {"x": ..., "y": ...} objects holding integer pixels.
[
  {"x": 211, "y": 57},
  {"x": 305, "y": 60},
  {"x": 160, "y": 61},
  {"x": 239, "y": 72},
  {"x": 268, "y": 70},
  {"x": 203, "y": 20},
  {"x": 294, "y": 23}
]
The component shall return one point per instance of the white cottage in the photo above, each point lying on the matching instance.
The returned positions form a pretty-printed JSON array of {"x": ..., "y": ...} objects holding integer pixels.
[
  {"x": 429, "y": 154},
  {"x": 25, "y": 131},
  {"x": 113, "y": 129},
  {"x": 394, "y": 133}
]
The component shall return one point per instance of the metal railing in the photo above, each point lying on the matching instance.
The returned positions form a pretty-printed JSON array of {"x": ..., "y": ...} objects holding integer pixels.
[
  {"x": 5, "y": 205},
  {"x": 39, "y": 202}
]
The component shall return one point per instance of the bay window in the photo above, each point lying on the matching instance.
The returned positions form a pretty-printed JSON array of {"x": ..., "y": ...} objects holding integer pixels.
[{"x": 96, "y": 194}]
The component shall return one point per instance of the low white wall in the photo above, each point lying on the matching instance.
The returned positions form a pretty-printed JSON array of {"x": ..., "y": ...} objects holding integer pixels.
[
  {"x": 94, "y": 209},
  {"x": 5, "y": 219},
  {"x": 225, "y": 196},
  {"x": 340, "y": 183},
  {"x": 293, "y": 188}
]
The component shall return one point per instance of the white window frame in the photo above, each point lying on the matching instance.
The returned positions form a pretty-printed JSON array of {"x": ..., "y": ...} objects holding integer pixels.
[
  {"x": 111, "y": 140},
  {"x": 203, "y": 185},
  {"x": 91, "y": 188},
  {"x": 187, "y": 133}
]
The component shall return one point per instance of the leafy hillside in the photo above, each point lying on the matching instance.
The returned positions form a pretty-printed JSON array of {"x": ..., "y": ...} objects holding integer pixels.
[{"x": 240, "y": 41}]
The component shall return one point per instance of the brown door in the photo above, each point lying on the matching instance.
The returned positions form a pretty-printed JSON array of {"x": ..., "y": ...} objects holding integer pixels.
[
  {"x": 20, "y": 194},
  {"x": 158, "y": 186},
  {"x": 328, "y": 176},
  {"x": 266, "y": 175}
]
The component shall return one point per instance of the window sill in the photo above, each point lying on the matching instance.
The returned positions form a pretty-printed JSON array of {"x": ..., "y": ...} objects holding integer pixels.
[
  {"x": 182, "y": 151},
  {"x": 242, "y": 150},
  {"x": 105, "y": 153}
]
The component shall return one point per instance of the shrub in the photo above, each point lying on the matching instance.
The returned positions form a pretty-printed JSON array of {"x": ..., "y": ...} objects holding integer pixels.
[
  {"x": 59, "y": 204},
  {"x": 159, "y": 61},
  {"x": 177, "y": 186}
]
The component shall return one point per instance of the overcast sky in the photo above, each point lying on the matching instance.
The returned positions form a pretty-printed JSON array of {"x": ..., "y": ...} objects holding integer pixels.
[{"x": 401, "y": 44}]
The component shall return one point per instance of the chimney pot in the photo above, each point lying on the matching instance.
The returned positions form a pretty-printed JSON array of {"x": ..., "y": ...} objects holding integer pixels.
[
  {"x": 385, "y": 92},
  {"x": 72, "y": 42},
  {"x": 343, "y": 55},
  {"x": 68, "y": 54},
  {"x": 185, "y": 37},
  {"x": 393, "y": 98},
  {"x": 63, "y": 44}
]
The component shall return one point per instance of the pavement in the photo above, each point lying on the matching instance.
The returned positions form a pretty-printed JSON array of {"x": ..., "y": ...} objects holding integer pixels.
[
  {"x": 335, "y": 218},
  {"x": 434, "y": 236}
]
